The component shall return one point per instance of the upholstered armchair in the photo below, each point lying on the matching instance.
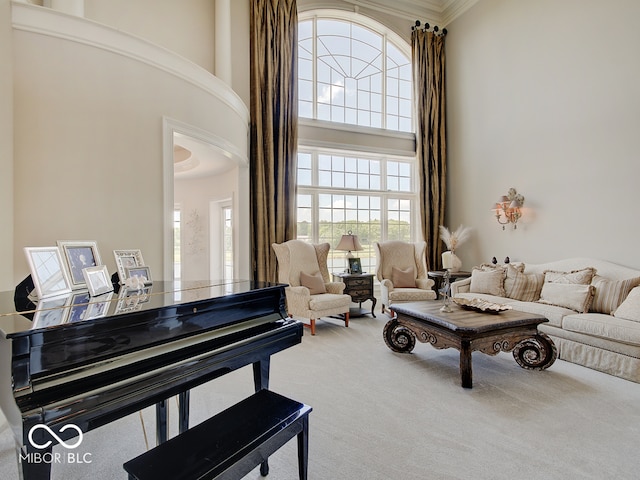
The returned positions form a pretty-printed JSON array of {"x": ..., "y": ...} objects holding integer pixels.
[
  {"x": 402, "y": 272},
  {"x": 311, "y": 293}
]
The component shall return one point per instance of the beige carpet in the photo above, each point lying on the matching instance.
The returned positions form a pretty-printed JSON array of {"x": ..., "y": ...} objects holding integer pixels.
[{"x": 379, "y": 415}]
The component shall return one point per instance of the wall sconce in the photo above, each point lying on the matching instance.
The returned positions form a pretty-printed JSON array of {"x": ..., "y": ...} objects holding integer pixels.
[{"x": 507, "y": 209}]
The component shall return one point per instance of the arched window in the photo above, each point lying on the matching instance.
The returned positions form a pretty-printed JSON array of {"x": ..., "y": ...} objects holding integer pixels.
[
  {"x": 356, "y": 149},
  {"x": 351, "y": 73}
]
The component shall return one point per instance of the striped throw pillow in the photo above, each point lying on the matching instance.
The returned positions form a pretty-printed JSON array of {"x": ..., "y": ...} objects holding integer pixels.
[{"x": 610, "y": 293}]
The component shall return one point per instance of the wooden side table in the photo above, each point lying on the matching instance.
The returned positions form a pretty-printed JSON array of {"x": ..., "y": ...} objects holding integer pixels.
[
  {"x": 438, "y": 277},
  {"x": 360, "y": 287}
]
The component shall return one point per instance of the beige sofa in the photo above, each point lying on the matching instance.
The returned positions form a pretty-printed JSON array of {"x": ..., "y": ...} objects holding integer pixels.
[{"x": 608, "y": 341}]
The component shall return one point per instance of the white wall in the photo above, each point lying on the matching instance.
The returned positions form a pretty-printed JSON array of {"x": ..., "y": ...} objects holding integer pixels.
[
  {"x": 184, "y": 27},
  {"x": 6, "y": 148},
  {"x": 543, "y": 96},
  {"x": 89, "y": 144}
]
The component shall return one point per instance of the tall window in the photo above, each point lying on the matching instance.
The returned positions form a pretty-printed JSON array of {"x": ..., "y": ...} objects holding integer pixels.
[
  {"x": 227, "y": 242},
  {"x": 176, "y": 243},
  {"x": 354, "y": 77}
]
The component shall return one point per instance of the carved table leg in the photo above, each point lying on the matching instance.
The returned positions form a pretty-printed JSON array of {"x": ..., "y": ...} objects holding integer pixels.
[
  {"x": 536, "y": 353},
  {"x": 466, "y": 373},
  {"x": 398, "y": 338}
]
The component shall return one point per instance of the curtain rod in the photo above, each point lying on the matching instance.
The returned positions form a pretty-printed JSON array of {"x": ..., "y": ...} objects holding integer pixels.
[{"x": 426, "y": 26}]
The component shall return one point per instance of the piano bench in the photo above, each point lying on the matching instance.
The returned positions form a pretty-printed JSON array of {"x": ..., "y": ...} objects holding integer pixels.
[{"x": 230, "y": 444}]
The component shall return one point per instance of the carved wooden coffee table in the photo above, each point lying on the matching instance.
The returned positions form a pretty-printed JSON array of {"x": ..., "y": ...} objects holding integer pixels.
[{"x": 469, "y": 331}]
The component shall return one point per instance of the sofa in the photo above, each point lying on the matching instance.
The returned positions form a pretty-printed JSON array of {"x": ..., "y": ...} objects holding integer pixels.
[{"x": 593, "y": 307}]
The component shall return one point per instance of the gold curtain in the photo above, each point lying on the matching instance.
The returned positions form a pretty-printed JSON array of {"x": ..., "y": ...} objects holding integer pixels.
[
  {"x": 274, "y": 107},
  {"x": 427, "y": 52}
]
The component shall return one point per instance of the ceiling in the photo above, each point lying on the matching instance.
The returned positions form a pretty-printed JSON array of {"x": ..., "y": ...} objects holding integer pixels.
[{"x": 193, "y": 158}]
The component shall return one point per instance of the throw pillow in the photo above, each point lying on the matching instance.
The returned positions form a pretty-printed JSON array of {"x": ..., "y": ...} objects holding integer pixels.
[
  {"x": 315, "y": 283},
  {"x": 526, "y": 287},
  {"x": 488, "y": 281},
  {"x": 511, "y": 270},
  {"x": 611, "y": 293},
  {"x": 630, "y": 308},
  {"x": 573, "y": 296},
  {"x": 403, "y": 278},
  {"x": 578, "y": 277}
]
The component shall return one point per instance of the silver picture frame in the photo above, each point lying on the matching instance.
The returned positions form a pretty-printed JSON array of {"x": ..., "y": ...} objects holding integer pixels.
[
  {"x": 79, "y": 255},
  {"x": 47, "y": 271},
  {"x": 97, "y": 280},
  {"x": 127, "y": 259}
]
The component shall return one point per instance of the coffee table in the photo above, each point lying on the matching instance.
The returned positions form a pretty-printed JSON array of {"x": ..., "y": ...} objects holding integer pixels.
[{"x": 469, "y": 331}]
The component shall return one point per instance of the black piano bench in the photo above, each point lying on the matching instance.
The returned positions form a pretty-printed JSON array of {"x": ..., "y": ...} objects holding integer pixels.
[{"x": 230, "y": 444}]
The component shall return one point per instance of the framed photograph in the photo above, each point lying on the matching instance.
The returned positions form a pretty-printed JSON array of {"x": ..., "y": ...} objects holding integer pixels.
[
  {"x": 354, "y": 266},
  {"x": 143, "y": 272},
  {"x": 97, "y": 280},
  {"x": 127, "y": 259},
  {"x": 78, "y": 256},
  {"x": 47, "y": 271},
  {"x": 132, "y": 300}
]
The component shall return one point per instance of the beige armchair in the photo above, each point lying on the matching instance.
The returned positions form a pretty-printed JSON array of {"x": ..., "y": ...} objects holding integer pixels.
[
  {"x": 311, "y": 293},
  {"x": 402, "y": 273}
]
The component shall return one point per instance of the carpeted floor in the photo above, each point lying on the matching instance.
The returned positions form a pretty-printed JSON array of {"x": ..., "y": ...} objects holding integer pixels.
[{"x": 378, "y": 415}]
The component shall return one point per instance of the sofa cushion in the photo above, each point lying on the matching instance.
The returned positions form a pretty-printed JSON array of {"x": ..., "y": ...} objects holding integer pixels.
[
  {"x": 611, "y": 293},
  {"x": 526, "y": 287},
  {"x": 630, "y": 308},
  {"x": 314, "y": 282},
  {"x": 403, "y": 278},
  {"x": 575, "y": 297},
  {"x": 577, "y": 277},
  {"x": 604, "y": 326},
  {"x": 512, "y": 270},
  {"x": 488, "y": 281},
  {"x": 329, "y": 301}
]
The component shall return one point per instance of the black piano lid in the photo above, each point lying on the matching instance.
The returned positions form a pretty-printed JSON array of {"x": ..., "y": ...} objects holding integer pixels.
[{"x": 20, "y": 317}]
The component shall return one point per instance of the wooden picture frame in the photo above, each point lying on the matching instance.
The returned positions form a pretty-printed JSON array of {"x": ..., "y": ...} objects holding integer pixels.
[
  {"x": 78, "y": 256},
  {"x": 355, "y": 267}
]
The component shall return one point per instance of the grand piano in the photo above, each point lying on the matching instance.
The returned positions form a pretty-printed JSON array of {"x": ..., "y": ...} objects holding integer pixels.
[{"x": 71, "y": 364}]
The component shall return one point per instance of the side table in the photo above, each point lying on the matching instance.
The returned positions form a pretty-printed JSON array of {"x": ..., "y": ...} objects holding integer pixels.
[
  {"x": 438, "y": 277},
  {"x": 360, "y": 287}
]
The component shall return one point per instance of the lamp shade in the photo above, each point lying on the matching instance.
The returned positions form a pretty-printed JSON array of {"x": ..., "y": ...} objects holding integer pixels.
[{"x": 349, "y": 242}]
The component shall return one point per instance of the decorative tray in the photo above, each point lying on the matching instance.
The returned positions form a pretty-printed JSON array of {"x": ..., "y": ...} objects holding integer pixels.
[{"x": 480, "y": 305}]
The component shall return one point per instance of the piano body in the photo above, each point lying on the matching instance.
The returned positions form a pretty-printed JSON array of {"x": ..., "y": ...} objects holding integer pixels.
[{"x": 75, "y": 363}]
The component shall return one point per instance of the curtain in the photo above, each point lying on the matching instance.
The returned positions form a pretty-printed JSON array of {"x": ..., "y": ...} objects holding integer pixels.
[
  {"x": 273, "y": 130},
  {"x": 427, "y": 55}
]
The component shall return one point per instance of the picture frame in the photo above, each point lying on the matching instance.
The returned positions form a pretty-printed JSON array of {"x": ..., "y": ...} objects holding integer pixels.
[
  {"x": 77, "y": 256},
  {"x": 144, "y": 272},
  {"x": 127, "y": 259},
  {"x": 47, "y": 271},
  {"x": 78, "y": 306},
  {"x": 97, "y": 280},
  {"x": 355, "y": 267}
]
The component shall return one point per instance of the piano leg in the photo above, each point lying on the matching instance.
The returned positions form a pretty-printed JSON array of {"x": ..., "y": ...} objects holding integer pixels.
[
  {"x": 261, "y": 382},
  {"x": 261, "y": 374},
  {"x": 162, "y": 432},
  {"x": 30, "y": 468},
  {"x": 183, "y": 411}
]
